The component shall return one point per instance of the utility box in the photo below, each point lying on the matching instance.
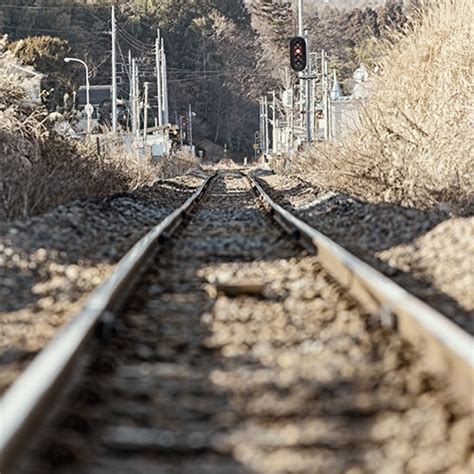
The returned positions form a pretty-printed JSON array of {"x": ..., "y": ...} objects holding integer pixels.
[
  {"x": 287, "y": 98},
  {"x": 158, "y": 150}
]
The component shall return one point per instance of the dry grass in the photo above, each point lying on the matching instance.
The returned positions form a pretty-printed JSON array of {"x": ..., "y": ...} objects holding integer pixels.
[
  {"x": 414, "y": 142},
  {"x": 40, "y": 169},
  {"x": 178, "y": 163}
]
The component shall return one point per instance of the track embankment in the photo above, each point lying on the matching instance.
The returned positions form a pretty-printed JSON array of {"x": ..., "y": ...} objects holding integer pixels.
[
  {"x": 238, "y": 353},
  {"x": 51, "y": 263},
  {"x": 429, "y": 253}
]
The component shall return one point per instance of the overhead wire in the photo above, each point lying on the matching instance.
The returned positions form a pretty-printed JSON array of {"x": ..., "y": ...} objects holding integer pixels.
[
  {"x": 51, "y": 7},
  {"x": 134, "y": 46},
  {"x": 132, "y": 39},
  {"x": 32, "y": 29}
]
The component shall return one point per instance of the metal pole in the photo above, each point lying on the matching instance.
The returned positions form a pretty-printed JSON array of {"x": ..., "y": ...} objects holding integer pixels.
[
  {"x": 89, "y": 115},
  {"x": 88, "y": 103},
  {"x": 262, "y": 138},
  {"x": 301, "y": 74},
  {"x": 159, "y": 92},
  {"x": 114, "y": 72},
  {"x": 313, "y": 72},
  {"x": 132, "y": 98},
  {"x": 267, "y": 135},
  {"x": 274, "y": 141},
  {"x": 300, "y": 18},
  {"x": 130, "y": 89},
  {"x": 137, "y": 101},
  {"x": 325, "y": 94},
  {"x": 307, "y": 96},
  {"x": 291, "y": 138},
  {"x": 190, "y": 126},
  {"x": 145, "y": 112},
  {"x": 328, "y": 89},
  {"x": 164, "y": 83}
]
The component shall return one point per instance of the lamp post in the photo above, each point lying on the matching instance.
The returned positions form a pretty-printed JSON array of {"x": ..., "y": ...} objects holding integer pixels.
[{"x": 88, "y": 107}]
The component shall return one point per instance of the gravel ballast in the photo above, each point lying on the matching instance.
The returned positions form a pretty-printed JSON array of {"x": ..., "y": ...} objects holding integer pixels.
[
  {"x": 50, "y": 263},
  {"x": 239, "y": 354},
  {"x": 430, "y": 253}
]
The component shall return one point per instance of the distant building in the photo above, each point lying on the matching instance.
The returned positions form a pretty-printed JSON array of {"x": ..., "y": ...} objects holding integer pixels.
[
  {"x": 100, "y": 97},
  {"x": 30, "y": 81},
  {"x": 344, "y": 114},
  {"x": 360, "y": 76},
  {"x": 336, "y": 91}
]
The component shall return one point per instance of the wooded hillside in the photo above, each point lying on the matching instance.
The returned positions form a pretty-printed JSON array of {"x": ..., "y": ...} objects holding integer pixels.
[{"x": 221, "y": 55}]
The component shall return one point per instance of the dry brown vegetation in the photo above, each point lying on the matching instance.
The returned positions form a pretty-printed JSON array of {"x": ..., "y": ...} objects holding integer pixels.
[
  {"x": 414, "y": 143},
  {"x": 176, "y": 164},
  {"x": 41, "y": 169}
]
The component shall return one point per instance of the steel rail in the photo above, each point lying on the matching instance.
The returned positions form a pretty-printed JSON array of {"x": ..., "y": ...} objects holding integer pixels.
[
  {"x": 446, "y": 348},
  {"x": 27, "y": 401}
]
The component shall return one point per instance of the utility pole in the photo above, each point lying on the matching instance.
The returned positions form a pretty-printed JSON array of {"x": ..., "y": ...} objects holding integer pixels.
[
  {"x": 313, "y": 73},
  {"x": 114, "y": 72},
  {"x": 328, "y": 99},
  {"x": 291, "y": 138},
  {"x": 274, "y": 130},
  {"x": 159, "y": 91},
  {"x": 145, "y": 112},
  {"x": 307, "y": 95},
  {"x": 267, "y": 135},
  {"x": 164, "y": 83},
  {"x": 133, "y": 109},
  {"x": 301, "y": 33},
  {"x": 262, "y": 135},
  {"x": 325, "y": 91},
  {"x": 130, "y": 90},
  {"x": 137, "y": 101}
]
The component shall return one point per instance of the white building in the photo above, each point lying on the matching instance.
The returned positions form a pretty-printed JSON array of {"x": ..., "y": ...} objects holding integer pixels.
[
  {"x": 344, "y": 115},
  {"x": 30, "y": 81}
]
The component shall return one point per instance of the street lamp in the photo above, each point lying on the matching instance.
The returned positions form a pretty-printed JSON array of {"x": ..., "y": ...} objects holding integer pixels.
[{"x": 88, "y": 107}]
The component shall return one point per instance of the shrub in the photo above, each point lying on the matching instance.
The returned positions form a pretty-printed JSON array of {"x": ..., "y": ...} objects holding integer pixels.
[
  {"x": 413, "y": 145},
  {"x": 41, "y": 169}
]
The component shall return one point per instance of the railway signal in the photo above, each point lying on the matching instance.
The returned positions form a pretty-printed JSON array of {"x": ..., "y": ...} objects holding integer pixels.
[
  {"x": 298, "y": 53},
  {"x": 183, "y": 128}
]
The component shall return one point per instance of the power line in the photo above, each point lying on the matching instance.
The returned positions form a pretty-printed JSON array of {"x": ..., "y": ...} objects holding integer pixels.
[
  {"x": 140, "y": 44},
  {"x": 133, "y": 46},
  {"x": 124, "y": 63},
  {"x": 52, "y": 7},
  {"x": 24, "y": 28}
]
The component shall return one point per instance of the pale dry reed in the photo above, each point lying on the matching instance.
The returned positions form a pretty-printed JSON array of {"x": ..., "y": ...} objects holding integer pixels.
[
  {"x": 414, "y": 142},
  {"x": 178, "y": 163}
]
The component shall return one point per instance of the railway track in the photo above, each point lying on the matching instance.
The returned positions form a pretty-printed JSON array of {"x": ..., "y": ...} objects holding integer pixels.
[
  {"x": 51, "y": 263},
  {"x": 238, "y": 351}
]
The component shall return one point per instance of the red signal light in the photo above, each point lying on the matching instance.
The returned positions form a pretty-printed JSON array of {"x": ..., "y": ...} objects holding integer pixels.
[{"x": 298, "y": 53}]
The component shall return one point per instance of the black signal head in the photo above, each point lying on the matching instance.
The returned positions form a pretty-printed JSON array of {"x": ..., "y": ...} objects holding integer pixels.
[{"x": 298, "y": 53}]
